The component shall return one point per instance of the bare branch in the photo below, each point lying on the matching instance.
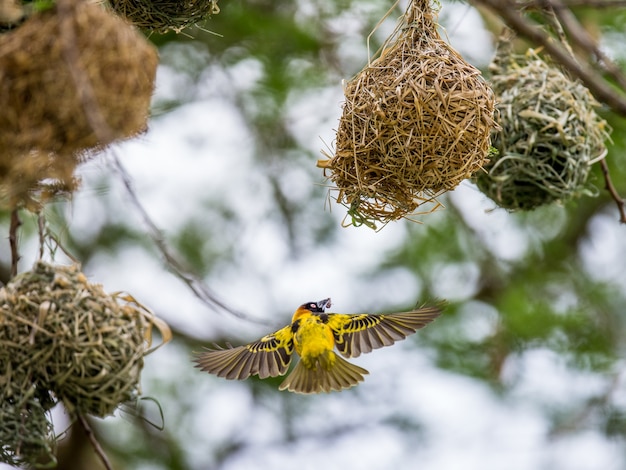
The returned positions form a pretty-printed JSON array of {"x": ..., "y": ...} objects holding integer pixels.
[
  {"x": 621, "y": 205},
  {"x": 524, "y": 28},
  {"x": 195, "y": 283},
  {"x": 104, "y": 133},
  {"x": 13, "y": 240},
  {"x": 581, "y": 38},
  {"x": 94, "y": 442}
]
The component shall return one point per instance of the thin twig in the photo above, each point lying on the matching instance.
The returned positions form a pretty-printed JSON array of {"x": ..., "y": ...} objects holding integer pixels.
[
  {"x": 51, "y": 236},
  {"x": 532, "y": 32},
  {"x": 41, "y": 227},
  {"x": 103, "y": 132},
  {"x": 195, "y": 283},
  {"x": 94, "y": 442},
  {"x": 581, "y": 37},
  {"x": 13, "y": 240},
  {"x": 621, "y": 205}
]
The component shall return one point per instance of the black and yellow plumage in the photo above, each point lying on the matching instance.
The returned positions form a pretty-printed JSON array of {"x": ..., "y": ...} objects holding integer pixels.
[{"x": 313, "y": 335}]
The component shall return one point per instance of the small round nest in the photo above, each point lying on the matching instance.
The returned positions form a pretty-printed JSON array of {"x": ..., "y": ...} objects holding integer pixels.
[
  {"x": 550, "y": 134},
  {"x": 72, "y": 79},
  {"x": 162, "y": 16},
  {"x": 82, "y": 344},
  {"x": 416, "y": 122}
]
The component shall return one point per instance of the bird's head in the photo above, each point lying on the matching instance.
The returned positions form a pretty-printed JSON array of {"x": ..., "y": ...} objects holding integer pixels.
[
  {"x": 317, "y": 307},
  {"x": 314, "y": 307}
]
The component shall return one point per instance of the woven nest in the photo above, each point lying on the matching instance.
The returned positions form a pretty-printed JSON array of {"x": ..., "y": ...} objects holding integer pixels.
[
  {"x": 26, "y": 434},
  {"x": 165, "y": 15},
  {"x": 416, "y": 122},
  {"x": 70, "y": 80},
  {"x": 77, "y": 341},
  {"x": 550, "y": 134}
]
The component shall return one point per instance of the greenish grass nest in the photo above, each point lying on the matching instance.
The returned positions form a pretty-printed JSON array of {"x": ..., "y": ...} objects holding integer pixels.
[
  {"x": 416, "y": 122},
  {"x": 47, "y": 116},
  {"x": 164, "y": 15},
  {"x": 83, "y": 345},
  {"x": 26, "y": 434},
  {"x": 550, "y": 134}
]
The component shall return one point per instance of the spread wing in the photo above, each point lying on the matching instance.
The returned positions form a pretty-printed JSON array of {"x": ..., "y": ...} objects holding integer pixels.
[
  {"x": 268, "y": 357},
  {"x": 356, "y": 334}
]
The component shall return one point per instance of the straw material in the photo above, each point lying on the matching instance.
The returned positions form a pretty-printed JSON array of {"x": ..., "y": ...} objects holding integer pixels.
[
  {"x": 44, "y": 126},
  {"x": 165, "y": 15},
  {"x": 416, "y": 122},
  {"x": 550, "y": 134},
  {"x": 82, "y": 344}
]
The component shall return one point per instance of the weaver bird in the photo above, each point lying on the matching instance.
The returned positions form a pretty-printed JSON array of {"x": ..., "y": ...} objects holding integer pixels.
[{"x": 313, "y": 335}]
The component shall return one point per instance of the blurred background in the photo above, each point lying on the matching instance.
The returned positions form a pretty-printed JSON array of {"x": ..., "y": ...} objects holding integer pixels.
[{"x": 524, "y": 370}]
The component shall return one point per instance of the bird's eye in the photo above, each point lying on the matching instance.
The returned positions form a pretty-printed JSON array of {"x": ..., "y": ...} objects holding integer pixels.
[{"x": 313, "y": 305}]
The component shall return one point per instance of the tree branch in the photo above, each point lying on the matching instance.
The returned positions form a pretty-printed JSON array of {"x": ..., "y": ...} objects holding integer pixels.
[
  {"x": 94, "y": 442},
  {"x": 621, "y": 205},
  {"x": 104, "y": 133},
  {"x": 13, "y": 240},
  {"x": 581, "y": 38},
  {"x": 603, "y": 92}
]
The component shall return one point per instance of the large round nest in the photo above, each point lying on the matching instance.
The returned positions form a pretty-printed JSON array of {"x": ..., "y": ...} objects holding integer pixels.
[
  {"x": 165, "y": 15},
  {"x": 71, "y": 79},
  {"x": 82, "y": 344},
  {"x": 416, "y": 122},
  {"x": 550, "y": 134}
]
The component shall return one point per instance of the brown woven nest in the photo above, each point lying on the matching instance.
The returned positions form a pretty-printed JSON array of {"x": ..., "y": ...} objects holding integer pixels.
[
  {"x": 550, "y": 133},
  {"x": 416, "y": 122},
  {"x": 162, "y": 16},
  {"x": 82, "y": 344},
  {"x": 71, "y": 79}
]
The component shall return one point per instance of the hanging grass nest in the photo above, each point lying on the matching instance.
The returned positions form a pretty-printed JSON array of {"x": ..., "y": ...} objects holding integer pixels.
[
  {"x": 550, "y": 133},
  {"x": 162, "y": 16},
  {"x": 72, "y": 78},
  {"x": 80, "y": 343},
  {"x": 26, "y": 434},
  {"x": 416, "y": 122}
]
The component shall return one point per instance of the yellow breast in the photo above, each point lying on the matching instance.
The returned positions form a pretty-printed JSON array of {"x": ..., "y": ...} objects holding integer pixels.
[{"x": 312, "y": 338}]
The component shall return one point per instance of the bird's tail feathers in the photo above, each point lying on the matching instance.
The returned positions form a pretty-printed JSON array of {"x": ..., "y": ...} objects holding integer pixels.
[{"x": 323, "y": 377}]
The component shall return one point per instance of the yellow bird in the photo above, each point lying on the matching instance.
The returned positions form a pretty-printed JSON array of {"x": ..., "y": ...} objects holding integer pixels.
[{"x": 313, "y": 335}]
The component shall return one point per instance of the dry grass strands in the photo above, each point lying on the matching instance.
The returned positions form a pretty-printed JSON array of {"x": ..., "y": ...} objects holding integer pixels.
[
  {"x": 162, "y": 16},
  {"x": 44, "y": 123},
  {"x": 550, "y": 134},
  {"x": 416, "y": 122},
  {"x": 82, "y": 344}
]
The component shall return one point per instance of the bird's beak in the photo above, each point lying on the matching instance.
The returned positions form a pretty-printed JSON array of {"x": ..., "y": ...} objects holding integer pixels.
[{"x": 323, "y": 304}]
